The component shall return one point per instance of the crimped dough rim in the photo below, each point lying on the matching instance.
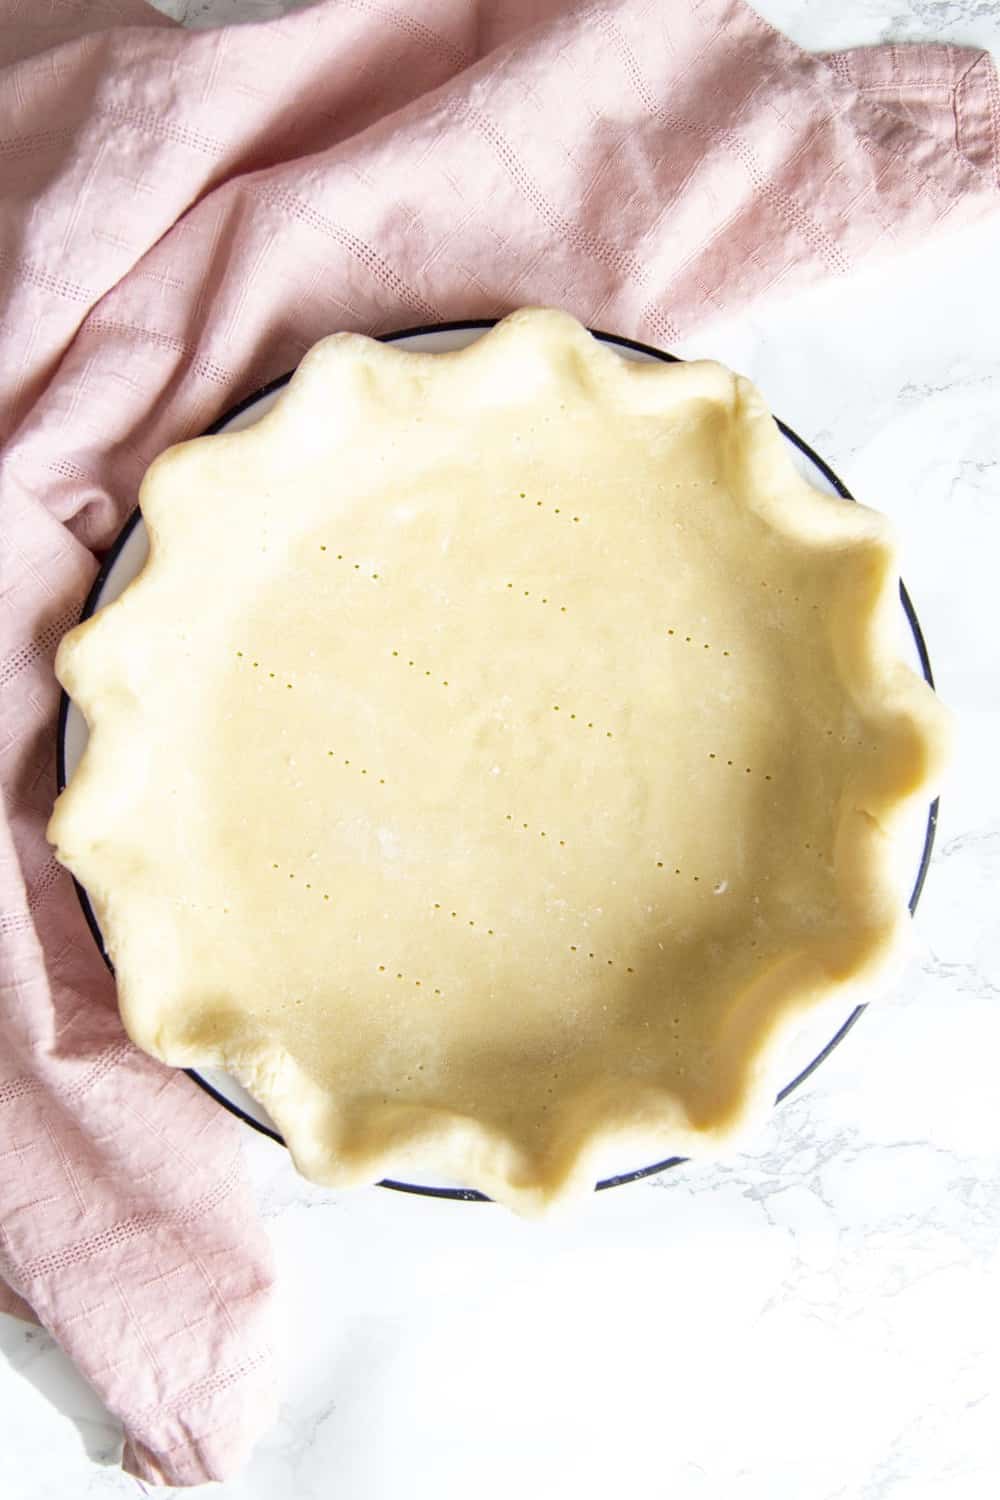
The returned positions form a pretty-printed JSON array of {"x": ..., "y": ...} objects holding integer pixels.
[{"x": 341, "y": 1140}]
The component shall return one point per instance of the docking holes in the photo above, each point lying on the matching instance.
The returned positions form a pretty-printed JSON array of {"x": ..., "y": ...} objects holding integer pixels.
[
  {"x": 541, "y": 833},
  {"x": 461, "y": 919},
  {"x": 599, "y": 960},
  {"x": 363, "y": 569},
  {"x": 419, "y": 669},
  {"x": 681, "y": 638}
]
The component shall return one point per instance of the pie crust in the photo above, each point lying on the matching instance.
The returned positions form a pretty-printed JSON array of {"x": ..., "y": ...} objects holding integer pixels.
[{"x": 499, "y": 753}]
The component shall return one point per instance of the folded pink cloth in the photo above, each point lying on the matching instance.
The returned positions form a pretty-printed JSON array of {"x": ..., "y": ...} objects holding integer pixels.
[{"x": 183, "y": 215}]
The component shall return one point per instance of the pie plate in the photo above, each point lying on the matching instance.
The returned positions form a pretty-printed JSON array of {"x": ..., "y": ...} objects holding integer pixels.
[{"x": 814, "y": 1041}]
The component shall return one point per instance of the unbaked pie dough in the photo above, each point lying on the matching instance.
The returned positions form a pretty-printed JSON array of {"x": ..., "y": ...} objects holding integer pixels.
[{"x": 500, "y": 750}]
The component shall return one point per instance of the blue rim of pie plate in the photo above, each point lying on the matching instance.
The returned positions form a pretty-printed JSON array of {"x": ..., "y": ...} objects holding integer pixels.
[{"x": 472, "y": 1195}]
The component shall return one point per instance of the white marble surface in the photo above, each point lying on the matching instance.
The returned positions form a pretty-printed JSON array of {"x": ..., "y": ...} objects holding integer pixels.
[{"x": 817, "y": 1320}]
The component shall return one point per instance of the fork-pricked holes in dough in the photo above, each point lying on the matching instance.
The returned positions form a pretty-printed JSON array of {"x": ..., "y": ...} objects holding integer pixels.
[
  {"x": 355, "y": 764},
  {"x": 461, "y": 919},
  {"x": 512, "y": 590},
  {"x": 542, "y": 833},
  {"x": 728, "y": 763},
  {"x": 363, "y": 569},
  {"x": 580, "y": 721},
  {"x": 419, "y": 669},
  {"x": 684, "y": 638},
  {"x": 263, "y": 672},
  {"x": 314, "y": 885},
  {"x": 667, "y": 867},
  {"x": 601, "y": 961},
  {"x": 843, "y": 739},
  {"x": 570, "y": 715},
  {"x": 396, "y": 976},
  {"x": 346, "y": 763},
  {"x": 545, "y": 508},
  {"x": 777, "y": 591},
  {"x": 387, "y": 971}
]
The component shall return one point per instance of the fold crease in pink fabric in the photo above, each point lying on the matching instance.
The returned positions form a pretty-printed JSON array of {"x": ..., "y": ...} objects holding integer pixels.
[{"x": 183, "y": 214}]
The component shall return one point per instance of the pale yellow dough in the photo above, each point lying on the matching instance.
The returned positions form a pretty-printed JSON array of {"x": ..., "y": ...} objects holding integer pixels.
[{"x": 498, "y": 751}]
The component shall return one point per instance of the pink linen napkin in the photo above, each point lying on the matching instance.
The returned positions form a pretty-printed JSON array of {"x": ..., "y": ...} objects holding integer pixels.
[{"x": 183, "y": 215}]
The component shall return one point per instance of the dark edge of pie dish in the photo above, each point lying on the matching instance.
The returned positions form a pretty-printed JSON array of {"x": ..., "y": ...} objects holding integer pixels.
[{"x": 471, "y": 1195}]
